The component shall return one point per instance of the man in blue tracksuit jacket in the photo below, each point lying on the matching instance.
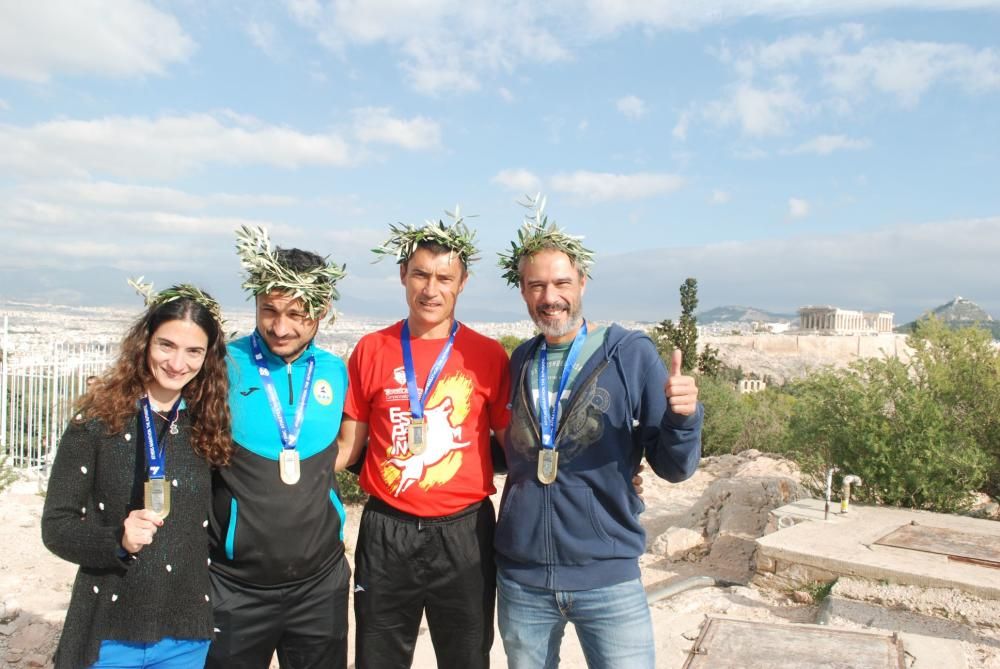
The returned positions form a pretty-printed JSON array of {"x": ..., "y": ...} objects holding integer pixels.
[
  {"x": 568, "y": 535},
  {"x": 280, "y": 579}
]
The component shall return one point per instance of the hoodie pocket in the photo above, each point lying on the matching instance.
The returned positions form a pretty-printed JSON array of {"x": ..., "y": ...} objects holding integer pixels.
[
  {"x": 578, "y": 533},
  {"x": 519, "y": 534},
  {"x": 552, "y": 525}
]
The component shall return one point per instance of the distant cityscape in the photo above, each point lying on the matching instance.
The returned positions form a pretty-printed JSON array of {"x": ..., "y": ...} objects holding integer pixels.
[
  {"x": 835, "y": 320},
  {"x": 32, "y": 327}
]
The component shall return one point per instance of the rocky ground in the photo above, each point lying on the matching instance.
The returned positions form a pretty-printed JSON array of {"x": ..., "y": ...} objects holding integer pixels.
[{"x": 704, "y": 527}]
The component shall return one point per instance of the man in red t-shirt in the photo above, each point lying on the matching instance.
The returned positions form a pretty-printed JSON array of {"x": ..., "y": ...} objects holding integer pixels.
[{"x": 424, "y": 394}]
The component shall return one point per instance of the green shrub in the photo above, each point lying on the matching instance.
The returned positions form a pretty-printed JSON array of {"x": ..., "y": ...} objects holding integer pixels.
[
  {"x": 881, "y": 421},
  {"x": 820, "y": 590},
  {"x": 961, "y": 371},
  {"x": 735, "y": 422},
  {"x": 510, "y": 342},
  {"x": 768, "y": 415},
  {"x": 725, "y": 416},
  {"x": 350, "y": 489}
]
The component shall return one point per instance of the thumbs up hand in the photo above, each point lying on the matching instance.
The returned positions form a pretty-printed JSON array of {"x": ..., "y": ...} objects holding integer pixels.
[{"x": 681, "y": 391}]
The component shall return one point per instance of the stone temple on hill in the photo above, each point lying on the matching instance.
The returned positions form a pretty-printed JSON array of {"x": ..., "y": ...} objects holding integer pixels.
[{"x": 834, "y": 320}]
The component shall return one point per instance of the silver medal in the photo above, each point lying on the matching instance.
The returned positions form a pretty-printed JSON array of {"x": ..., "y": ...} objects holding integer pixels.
[
  {"x": 288, "y": 466},
  {"x": 157, "y": 497},
  {"x": 548, "y": 465}
]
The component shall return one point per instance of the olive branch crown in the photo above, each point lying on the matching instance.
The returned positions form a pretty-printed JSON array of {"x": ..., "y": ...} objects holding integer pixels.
[
  {"x": 537, "y": 234},
  {"x": 180, "y": 291},
  {"x": 456, "y": 237},
  {"x": 265, "y": 272}
]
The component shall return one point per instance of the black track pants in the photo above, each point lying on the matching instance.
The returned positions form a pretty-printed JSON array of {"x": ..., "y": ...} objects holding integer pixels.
[
  {"x": 407, "y": 565},
  {"x": 306, "y": 623}
]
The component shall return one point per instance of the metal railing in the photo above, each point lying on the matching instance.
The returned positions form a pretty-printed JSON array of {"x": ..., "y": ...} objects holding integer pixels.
[{"x": 39, "y": 383}]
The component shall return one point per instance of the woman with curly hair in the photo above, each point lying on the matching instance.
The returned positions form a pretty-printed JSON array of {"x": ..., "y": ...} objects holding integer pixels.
[{"x": 130, "y": 490}]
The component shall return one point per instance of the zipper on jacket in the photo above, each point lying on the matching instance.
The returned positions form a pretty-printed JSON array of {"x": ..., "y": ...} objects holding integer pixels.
[
  {"x": 549, "y": 543},
  {"x": 291, "y": 393}
]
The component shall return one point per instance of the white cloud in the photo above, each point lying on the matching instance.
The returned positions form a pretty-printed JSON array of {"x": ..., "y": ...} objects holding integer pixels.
[
  {"x": 3, "y": 105},
  {"x": 680, "y": 131},
  {"x": 631, "y": 107},
  {"x": 113, "y": 38},
  {"x": 505, "y": 94},
  {"x": 376, "y": 124},
  {"x": 263, "y": 35},
  {"x": 797, "y": 207},
  {"x": 905, "y": 69},
  {"x": 603, "y": 186},
  {"x": 908, "y": 69},
  {"x": 46, "y": 221},
  {"x": 70, "y": 225},
  {"x": 317, "y": 75},
  {"x": 437, "y": 69},
  {"x": 612, "y": 16},
  {"x": 720, "y": 197},
  {"x": 115, "y": 195},
  {"x": 304, "y": 11},
  {"x": 906, "y": 269},
  {"x": 759, "y": 111},
  {"x": 790, "y": 51},
  {"x": 180, "y": 255},
  {"x": 750, "y": 153},
  {"x": 824, "y": 145},
  {"x": 444, "y": 46},
  {"x": 519, "y": 180},
  {"x": 776, "y": 84},
  {"x": 164, "y": 147},
  {"x": 448, "y": 46}
]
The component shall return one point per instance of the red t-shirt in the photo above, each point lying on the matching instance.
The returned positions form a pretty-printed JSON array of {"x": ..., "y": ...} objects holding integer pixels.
[{"x": 468, "y": 400}]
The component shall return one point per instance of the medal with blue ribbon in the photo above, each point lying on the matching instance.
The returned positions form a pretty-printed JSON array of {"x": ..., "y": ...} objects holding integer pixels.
[
  {"x": 156, "y": 491},
  {"x": 548, "y": 412},
  {"x": 416, "y": 439},
  {"x": 288, "y": 459}
]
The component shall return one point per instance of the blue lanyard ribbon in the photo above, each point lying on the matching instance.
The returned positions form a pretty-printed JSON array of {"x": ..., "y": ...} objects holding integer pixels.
[
  {"x": 548, "y": 415},
  {"x": 154, "y": 453},
  {"x": 419, "y": 401},
  {"x": 288, "y": 438}
]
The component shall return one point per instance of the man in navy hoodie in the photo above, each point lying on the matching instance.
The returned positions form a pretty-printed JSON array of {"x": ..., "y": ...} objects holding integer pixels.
[{"x": 568, "y": 536}]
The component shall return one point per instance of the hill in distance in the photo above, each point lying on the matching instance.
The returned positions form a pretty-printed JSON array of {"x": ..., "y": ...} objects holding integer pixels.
[
  {"x": 740, "y": 314},
  {"x": 959, "y": 313}
]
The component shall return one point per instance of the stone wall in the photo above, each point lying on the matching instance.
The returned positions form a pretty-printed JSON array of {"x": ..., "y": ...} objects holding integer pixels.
[{"x": 787, "y": 356}]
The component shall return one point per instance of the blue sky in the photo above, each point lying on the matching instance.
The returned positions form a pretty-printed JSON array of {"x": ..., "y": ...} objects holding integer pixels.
[{"x": 783, "y": 152}]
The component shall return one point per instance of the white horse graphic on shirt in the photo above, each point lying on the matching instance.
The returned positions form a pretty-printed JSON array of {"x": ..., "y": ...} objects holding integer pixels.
[{"x": 442, "y": 439}]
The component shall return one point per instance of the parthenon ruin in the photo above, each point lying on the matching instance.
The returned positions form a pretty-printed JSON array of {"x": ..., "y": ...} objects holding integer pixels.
[{"x": 833, "y": 320}]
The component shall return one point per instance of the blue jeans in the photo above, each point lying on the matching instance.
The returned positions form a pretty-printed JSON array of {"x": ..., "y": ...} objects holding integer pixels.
[
  {"x": 164, "y": 654},
  {"x": 612, "y": 623}
]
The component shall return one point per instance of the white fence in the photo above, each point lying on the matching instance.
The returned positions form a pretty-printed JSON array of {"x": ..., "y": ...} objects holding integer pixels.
[{"x": 39, "y": 382}]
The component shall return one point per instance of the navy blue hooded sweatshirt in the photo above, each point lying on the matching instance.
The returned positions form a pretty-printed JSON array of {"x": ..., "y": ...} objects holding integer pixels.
[{"x": 582, "y": 531}]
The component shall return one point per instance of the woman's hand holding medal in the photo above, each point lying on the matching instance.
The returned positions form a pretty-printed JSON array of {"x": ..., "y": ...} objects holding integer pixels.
[{"x": 140, "y": 527}]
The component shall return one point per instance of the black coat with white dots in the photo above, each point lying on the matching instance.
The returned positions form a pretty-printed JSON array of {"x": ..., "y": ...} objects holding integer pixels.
[{"x": 163, "y": 590}]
